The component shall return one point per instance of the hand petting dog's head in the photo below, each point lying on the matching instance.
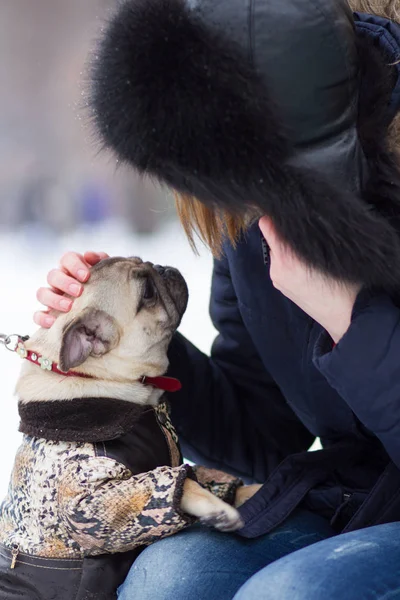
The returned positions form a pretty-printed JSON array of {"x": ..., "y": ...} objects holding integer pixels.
[
  {"x": 117, "y": 331},
  {"x": 129, "y": 308}
]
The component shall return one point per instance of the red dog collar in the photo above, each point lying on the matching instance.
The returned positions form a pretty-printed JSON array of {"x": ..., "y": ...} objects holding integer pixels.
[{"x": 167, "y": 384}]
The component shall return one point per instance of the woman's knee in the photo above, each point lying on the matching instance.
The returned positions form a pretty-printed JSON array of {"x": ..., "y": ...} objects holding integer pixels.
[
  {"x": 349, "y": 567},
  {"x": 159, "y": 570},
  {"x": 197, "y": 559}
]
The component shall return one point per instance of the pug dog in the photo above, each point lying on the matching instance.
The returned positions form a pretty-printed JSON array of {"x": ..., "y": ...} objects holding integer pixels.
[{"x": 99, "y": 474}]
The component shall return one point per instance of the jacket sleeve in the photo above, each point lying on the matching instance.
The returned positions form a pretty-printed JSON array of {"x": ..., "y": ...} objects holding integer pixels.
[
  {"x": 107, "y": 509},
  {"x": 364, "y": 368},
  {"x": 219, "y": 483},
  {"x": 230, "y": 414}
]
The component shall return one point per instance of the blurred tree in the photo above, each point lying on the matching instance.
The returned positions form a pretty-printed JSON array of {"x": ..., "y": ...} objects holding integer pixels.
[{"x": 49, "y": 171}]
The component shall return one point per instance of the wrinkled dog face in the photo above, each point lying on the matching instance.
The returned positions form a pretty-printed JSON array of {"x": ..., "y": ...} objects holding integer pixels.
[{"x": 129, "y": 311}]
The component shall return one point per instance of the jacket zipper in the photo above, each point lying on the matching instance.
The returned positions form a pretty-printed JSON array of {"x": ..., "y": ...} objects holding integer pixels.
[{"x": 14, "y": 553}]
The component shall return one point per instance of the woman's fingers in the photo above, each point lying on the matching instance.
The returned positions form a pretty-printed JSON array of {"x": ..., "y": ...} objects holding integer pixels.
[
  {"x": 79, "y": 266},
  {"x": 67, "y": 279},
  {"x": 94, "y": 257},
  {"x": 74, "y": 264},
  {"x": 52, "y": 299},
  {"x": 43, "y": 319},
  {"x": 59, "y": 280}
]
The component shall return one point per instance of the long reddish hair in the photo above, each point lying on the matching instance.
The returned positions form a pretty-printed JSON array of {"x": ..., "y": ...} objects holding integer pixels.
[{"x": 209, "y": 225}]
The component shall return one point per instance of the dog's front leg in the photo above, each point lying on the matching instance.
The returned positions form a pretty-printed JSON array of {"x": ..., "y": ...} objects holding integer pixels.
[{"x": 199, "y": 502}]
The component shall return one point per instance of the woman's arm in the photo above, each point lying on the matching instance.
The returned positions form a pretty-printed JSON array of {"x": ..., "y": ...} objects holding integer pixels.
[{"x": 230, "y": 414}]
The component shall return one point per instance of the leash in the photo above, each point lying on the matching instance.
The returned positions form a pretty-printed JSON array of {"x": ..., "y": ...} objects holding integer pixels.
[
  {"x": 16, "y": 343},
  {"x": 7, "y": 340}
]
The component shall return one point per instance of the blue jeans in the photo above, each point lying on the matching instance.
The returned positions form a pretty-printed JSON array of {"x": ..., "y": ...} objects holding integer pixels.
[{"x": 300, "y": 560}]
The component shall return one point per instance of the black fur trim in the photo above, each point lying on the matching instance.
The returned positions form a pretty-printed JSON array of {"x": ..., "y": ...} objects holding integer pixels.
[
  {"x": 80, "y": 420},
  {"x": 181, "y": 103}
]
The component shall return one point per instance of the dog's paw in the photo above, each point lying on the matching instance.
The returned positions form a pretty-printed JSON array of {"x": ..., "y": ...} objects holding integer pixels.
[{"x": 226, "y": 519}]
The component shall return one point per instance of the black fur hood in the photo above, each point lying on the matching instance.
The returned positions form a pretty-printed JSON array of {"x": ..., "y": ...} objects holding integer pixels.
[{"x": 255, "y": 105}]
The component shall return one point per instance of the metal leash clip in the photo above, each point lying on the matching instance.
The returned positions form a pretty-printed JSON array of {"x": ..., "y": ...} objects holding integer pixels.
[{"x": 9, "y": 344}]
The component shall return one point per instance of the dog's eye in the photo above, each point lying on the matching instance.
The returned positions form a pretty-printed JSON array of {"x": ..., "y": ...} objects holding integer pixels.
[{"x": 149, "y": 291}]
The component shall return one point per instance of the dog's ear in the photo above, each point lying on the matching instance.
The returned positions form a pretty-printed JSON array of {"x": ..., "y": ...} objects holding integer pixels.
[{"x": 92, "y": 333}]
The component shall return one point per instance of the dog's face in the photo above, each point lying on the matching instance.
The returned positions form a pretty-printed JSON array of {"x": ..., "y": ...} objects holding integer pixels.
[{"x": 128, "y": 313}]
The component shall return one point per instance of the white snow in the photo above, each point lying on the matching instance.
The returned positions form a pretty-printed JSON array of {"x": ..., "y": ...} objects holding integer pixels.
[{"x": 25, "y": 259}]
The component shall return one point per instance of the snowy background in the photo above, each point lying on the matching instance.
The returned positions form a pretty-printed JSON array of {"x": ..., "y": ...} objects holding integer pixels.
[{"x": 25, "y": 258}]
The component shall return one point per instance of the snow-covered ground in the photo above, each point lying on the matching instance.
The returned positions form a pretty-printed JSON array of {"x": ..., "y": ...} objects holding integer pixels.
[{"x": 26, "y": 257}]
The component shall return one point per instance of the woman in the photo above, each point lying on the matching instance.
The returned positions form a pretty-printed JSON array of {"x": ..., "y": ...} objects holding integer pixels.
[{"x": 252, "y": 110}]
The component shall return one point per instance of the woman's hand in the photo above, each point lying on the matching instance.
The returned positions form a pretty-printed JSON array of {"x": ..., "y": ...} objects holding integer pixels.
[
  {"x": 327, "y": 301},
  {"x": 74, "y": 270}
]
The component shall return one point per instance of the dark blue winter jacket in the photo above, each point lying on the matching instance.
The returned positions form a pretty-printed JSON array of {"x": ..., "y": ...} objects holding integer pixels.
[
  {"x": 282, "y": 106},
  {"x": 275, "y": 381}
]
